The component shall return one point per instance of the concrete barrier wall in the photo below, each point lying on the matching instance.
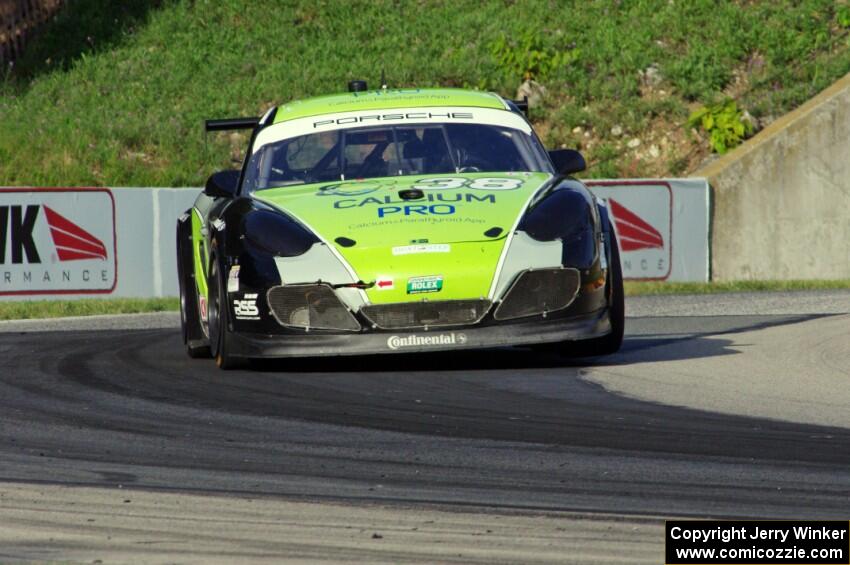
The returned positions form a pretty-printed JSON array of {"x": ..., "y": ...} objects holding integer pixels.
[
  {"x": 661, "y": 225},
  {"x": 782, "y": 200},
  {"x": 146, "y": 223},
  {"x": 89, "y": 243},
  {"x": 102, "y": 243}
]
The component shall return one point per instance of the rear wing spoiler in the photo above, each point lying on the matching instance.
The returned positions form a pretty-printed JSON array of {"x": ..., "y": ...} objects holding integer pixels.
[
  {"x": 522, "y": 105},
  {"x": 229, "y": 124}
]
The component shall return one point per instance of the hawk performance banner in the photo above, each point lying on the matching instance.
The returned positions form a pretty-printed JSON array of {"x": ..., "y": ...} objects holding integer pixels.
[{"x": 57, "y": 241}]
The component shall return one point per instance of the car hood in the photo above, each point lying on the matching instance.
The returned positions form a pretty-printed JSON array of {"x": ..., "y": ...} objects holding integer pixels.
[{"x": 456, "y": 232}]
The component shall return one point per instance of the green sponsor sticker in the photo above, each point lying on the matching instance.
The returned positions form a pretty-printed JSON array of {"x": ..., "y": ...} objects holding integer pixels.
[{"x": 418, "y": 285}]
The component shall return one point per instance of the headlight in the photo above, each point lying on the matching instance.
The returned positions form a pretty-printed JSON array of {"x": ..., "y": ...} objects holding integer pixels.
[
  {"x": 276, "y": 234},
  {"x": 567, "y": 215}
]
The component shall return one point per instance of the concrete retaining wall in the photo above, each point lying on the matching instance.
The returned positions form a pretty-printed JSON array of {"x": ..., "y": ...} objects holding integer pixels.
[
  {"x": 781, "y": 201},
  {"x": 89, "y": 243}
]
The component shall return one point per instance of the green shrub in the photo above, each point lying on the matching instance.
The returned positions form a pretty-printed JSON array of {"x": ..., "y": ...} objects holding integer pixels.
[
  {"x": 527, "y": 56},
  {"x": 842, "y": 16},
  {"x": 725, "y": 124}
]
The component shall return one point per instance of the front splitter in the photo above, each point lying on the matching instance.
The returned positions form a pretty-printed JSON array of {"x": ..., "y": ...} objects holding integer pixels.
[{"x": 317, "y": 344}]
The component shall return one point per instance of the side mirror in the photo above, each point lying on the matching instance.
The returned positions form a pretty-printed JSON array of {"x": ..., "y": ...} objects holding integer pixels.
[
  {"x": 567, "y": 161},
  {"x": 222, "y": 184}
]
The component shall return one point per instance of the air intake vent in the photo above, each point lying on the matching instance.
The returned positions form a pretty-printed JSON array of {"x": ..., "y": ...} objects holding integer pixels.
[
  {"x": 310, "y": 306},
  {"x": 539, "y": 291},
  {"x": 421, "y": 314}
]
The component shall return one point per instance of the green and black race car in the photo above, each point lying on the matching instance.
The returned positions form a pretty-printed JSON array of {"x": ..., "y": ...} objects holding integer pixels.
[{"x": 392, "y": 221}]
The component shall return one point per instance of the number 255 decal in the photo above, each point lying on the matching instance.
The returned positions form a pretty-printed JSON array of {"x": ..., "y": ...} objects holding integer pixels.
[{"x": 448, "y": 183}]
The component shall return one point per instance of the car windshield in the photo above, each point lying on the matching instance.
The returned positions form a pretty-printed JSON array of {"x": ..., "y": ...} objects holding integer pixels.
[{"x": 363, "y": 153}]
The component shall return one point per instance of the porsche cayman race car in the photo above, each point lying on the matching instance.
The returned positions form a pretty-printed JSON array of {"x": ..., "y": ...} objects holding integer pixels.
[{"x": 393, "y": 221}]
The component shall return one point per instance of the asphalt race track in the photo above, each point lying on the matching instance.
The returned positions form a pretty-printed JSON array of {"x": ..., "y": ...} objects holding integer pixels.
[{"x": 115, "y": 445}]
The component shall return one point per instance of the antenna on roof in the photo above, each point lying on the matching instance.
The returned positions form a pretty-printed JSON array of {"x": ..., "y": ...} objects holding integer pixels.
[{"x": 383, "y": 80}]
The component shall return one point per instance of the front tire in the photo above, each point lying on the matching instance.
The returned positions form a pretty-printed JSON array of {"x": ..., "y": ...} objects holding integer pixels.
[
  {"x": 610, "y": 343},
  {"x": 190, "y": 319},
  {"x": 218, "y": 313}
]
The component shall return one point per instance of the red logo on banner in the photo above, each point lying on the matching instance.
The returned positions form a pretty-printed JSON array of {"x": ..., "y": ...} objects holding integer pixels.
[
  {"x": 72, "y": 242},
  {"x": 634, "y": 232}
]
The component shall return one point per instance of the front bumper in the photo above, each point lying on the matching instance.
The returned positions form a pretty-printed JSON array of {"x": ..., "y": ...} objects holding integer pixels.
[{"x": 574, "y": 328}]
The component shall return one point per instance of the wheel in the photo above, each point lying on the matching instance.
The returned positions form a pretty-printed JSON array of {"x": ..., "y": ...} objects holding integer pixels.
[
  {"x": 190, "y": 319},
  {"x": 218, "y": 315},
  {"x": 610, "y": 343}
]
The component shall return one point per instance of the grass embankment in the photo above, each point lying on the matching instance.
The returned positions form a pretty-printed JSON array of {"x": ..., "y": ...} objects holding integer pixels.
[
  {"x": 113, "y": 93},
  {"x": 60, "y": 308},
  {"x": 639, "y": 288}
]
